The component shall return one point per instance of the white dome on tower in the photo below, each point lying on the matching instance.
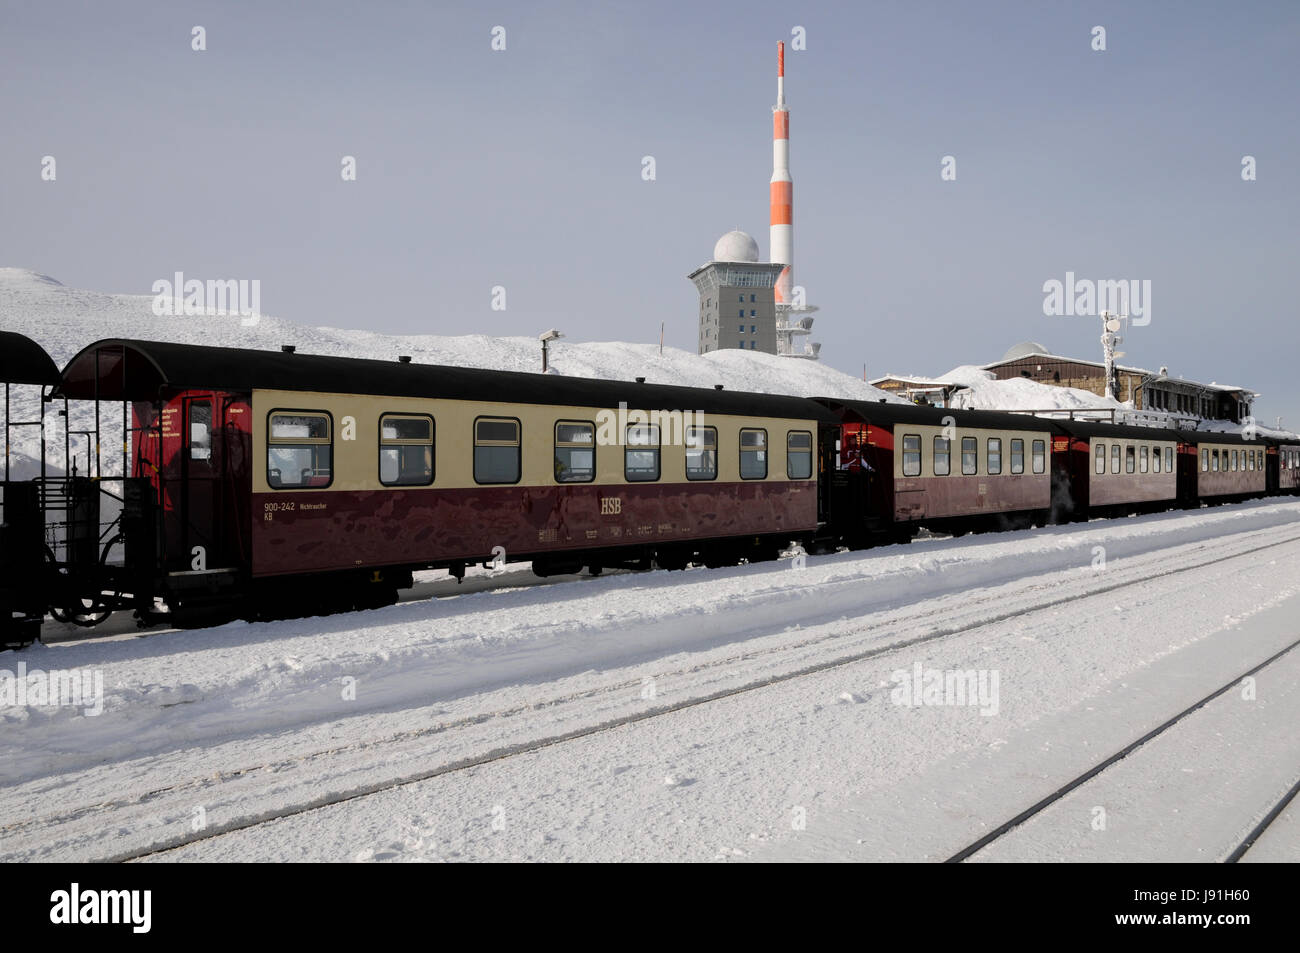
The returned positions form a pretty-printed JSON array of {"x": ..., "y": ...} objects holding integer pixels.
[{"x": 736, "y": 246}]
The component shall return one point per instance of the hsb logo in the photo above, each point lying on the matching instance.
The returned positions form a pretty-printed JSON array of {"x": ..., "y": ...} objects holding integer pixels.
[{"x": 610, "y": 505}]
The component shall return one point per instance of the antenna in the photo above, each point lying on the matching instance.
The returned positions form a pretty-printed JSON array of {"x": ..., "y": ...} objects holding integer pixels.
[{"x": 1110, "y": 339}]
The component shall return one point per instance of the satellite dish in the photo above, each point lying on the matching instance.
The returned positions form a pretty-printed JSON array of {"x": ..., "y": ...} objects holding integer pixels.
[{"x": 1113, "y": 325}]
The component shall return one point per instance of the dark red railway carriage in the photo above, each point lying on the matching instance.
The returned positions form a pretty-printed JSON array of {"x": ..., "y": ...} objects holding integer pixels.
[{"x": 899, "y": 466}]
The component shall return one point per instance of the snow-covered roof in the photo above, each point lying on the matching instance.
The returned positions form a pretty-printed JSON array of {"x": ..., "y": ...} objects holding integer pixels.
[
  {"x": 1020, "y": 356},
  {"x": 913, "y": 381}
]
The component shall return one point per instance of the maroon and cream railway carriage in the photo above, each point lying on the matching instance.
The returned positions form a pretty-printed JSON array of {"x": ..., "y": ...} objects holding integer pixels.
[
  {"x": 1228, "y": 467},
  {"x": 1112, "y": 470},
  {"x": 293, "y": 482},
  {"x": 900, "y": 466},
  {"x": 1283, "y": 467}
]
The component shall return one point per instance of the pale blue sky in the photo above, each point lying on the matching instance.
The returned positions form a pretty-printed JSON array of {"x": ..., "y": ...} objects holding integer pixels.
[{"x": 522, "y": 168}]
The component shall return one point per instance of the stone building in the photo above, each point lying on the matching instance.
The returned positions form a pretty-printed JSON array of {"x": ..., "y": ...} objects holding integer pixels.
[{"x": 1148, "y": 390}]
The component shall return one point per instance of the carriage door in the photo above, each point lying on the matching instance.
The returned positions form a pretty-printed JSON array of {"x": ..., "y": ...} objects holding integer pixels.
[{"x": 200, "y": 485}]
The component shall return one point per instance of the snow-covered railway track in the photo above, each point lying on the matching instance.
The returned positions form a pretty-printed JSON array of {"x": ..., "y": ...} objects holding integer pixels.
[
  {"x": 784, "y": 662},
  {"x": 1006, "y": 827},
  {"x": 1258, "y": 830}
]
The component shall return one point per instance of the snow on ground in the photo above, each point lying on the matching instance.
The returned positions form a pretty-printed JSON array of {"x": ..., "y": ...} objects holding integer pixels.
[
  {"x": 64, "y": 320},
  {"x": 803, "y": 753}
]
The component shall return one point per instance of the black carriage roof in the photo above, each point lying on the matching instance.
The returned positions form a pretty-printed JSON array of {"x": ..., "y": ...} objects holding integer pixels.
[
  {"x": 119, "y": 369},
  {"x": 892, "y": 413},
  {"x": 1210, "y": 436},
  {"x": 1093, "y": 428},
  {"x": 882, "y": 412},
  {"x": 1080, "y": 428},
  {"x": 23, "y": 361}
]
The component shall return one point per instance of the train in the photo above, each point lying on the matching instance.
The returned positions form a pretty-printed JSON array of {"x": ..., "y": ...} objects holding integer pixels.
[{"x": 262, "y": 484}]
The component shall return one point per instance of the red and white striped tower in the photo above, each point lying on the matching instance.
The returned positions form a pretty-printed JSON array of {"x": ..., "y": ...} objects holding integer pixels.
[{"x": 781, "y": 236}]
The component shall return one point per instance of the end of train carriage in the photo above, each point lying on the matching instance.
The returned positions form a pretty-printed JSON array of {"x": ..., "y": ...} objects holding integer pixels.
[
  {"x": 24, "y": 367},
  {"x": 80, "y": 528}
]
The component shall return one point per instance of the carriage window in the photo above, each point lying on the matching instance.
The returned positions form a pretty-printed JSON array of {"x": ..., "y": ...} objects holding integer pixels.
[
  {"x": 200, "y": 430},
  {"x": 641, "y": 453},
  {"x": 1129, "y": 459},
  {"x": 753, "y": 454},
  {"x": 993, "y": 455},
  {"x": 942, "y": 462},
  {"x": 405, "y": 450},
  {"x": 1144, "y": 462},
  {"x": 1205, "y": 460},
  {"x": 798, "y": 455},
  {"x": 1040, "y": 456},
  {"x": 1214, "y": 461},
  {"x": 299, "y": 451},
  {"x": 1250, "y": 459},
  {"x": 496, "y": 450},
  {"x": 1100, "y": 455},
  {"x": 1155, "y": 459},
  {"x": 1115, "y": 451},
  {"x": 1017, "y": 456},
  {"x": 1235, "y": 455},
  {"x": 1169, "y": 459},
  {"x": 911, "y": 455},
  {"x": 575, "y": 451},
  {"x": 701, "y": 453},
  {"x": 969, "y": 455}
]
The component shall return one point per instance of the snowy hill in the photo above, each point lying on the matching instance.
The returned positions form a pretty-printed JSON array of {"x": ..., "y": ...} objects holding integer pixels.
[{"x": 64, "y": 320}]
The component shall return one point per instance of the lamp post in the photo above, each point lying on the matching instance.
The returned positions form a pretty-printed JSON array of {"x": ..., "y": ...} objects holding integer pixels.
[{"x": 546, "y": 337}]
